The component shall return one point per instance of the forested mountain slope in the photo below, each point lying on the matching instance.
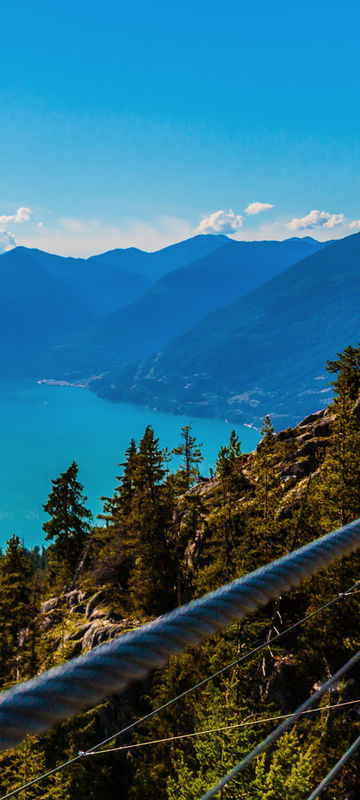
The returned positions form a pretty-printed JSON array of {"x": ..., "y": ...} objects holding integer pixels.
[
  {"x": 170, "y": 537},
  {"x": 262, "y": 354}
]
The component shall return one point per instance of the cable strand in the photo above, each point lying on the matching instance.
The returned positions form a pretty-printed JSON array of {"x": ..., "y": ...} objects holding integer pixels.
[
  {"x": 344, "y": 758},
  {"x": 281, "y": 729},
  {"x": 222, "y": 728},
  {"x": 248, "y": 655},
  {"x": 109, "y": 668},
  {"x": 235, "y": 663}
]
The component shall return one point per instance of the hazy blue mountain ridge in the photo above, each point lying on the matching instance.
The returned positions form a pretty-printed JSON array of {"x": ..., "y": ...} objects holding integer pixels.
[
  {"x": 36, "y": 310},
  {"x": 177, "y": 301},
  {"x": 103, "y": 287},
  {"x": 156, "y": 264},
  {"x": 264, "y": 353},
  {"x": 111, "y": 280},
  {"x": 52, "y": 323},
  {"x": 77, "y": 291}
]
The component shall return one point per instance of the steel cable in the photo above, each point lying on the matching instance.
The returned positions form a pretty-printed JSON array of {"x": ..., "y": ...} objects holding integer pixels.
[
  {"x": 280, "y": 730},
  {"x": 36, "y": 705},
  {"x": 347, "y": 593},
  {"x": 344, "y": 758}
]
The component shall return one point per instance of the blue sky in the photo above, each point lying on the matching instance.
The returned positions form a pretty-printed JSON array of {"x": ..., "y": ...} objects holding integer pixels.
[{"x": 139, "y": 125}]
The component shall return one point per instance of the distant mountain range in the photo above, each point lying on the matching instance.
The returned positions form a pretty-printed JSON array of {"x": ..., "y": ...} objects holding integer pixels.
[
  {"x": 35, "y": 308},
  {"x": 156, "y": 264},
  {"x": 44, "y": 298},
  {"x": 100, "y": 283},
  {"x": 180, "y": 299},
  {"x": 264, "y": 353},
  {"x": 209, "y": 326}
]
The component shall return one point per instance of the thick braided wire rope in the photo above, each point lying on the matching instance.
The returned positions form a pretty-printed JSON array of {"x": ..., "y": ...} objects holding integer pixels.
[
  {"x": 250, "y": 653},
  {"x": 344, "y": 758},
  {"x": 281, "y": 729},
  {"x": 348, "y": 593},
  {"x": 36, "y": 705}
]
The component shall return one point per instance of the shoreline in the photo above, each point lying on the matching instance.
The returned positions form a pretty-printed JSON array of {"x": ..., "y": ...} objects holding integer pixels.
[
  {"x": 85, "y": 385},
  {"x": 53, "y": 382}
]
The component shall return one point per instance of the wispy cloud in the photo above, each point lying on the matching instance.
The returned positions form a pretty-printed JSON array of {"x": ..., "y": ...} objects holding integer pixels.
[
  {"x": 71, "y": 236},
  {"x": 256, "y": 208},
  {"x": 316, "y": 219},
  {"x": 220, "y": 222},
  {"x": 22, "y": 214},
  {"x": 7, "y": 241},
  {"x": 355, "y": 224}
]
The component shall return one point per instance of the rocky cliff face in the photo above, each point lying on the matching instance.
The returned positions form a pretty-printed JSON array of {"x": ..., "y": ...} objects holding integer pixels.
[{"x": 305, "y": 447}]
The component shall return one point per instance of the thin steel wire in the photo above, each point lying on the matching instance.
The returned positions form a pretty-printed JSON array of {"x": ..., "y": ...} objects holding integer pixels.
[
  {"x": 41, "y": 777},
  {"x": 281, "y": 729},
  {"x": 222, "y": 729},
  {"x": 344, "y": 758},
  {"x": 348, "y": 593}
]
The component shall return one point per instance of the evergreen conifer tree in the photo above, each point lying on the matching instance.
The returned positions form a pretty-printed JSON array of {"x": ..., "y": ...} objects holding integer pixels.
[
  {"x": 69, "y": 525},
  {"x": 148, "y": 536},
  {"x": 266, "y": 541},
  {"x": 117, "y": 507},
  {"x": 340, "y": 475},
  {"x": 15, "y": 609},
  {"x": 191, "y": 454}
]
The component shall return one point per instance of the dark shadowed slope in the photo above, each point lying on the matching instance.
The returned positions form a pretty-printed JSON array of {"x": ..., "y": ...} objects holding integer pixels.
[
  {"x": 265, "y": 353},
  {"x": 36, "y": 309},
  {"x": 179, "y": 300},
  {"x": 115, "y": 279},
  {"x": 103, "y": 287}
]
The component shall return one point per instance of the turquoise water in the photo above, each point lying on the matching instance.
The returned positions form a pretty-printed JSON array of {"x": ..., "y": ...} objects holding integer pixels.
[{"x": 43, "y": 428}]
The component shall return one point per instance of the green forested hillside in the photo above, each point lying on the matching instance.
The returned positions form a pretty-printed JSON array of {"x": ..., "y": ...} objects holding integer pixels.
[{"x": 166, "y": 537}]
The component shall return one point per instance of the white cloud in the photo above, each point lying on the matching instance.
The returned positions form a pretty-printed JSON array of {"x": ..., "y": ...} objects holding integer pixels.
[
  {"x": 22, "y": 214},
  {"x": 7, "y": 241},
  {"x": 316, "y": 219},
  {"x": 220, "y": 222},
  {"x": 355, "y": 224},
  {"x": 256, "y": 208}
]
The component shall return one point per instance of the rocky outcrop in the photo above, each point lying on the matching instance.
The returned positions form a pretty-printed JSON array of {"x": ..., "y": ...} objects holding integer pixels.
[
  {"x": 306, "y": 446},
  {"x": 79, "y": 621}
]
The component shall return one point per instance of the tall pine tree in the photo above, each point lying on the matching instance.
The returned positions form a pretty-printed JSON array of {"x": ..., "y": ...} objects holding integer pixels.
[
  {"x": 69, "y": 525},
  {"x": 15, "y": 611},
  {"x": 148, "y": 528}
]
